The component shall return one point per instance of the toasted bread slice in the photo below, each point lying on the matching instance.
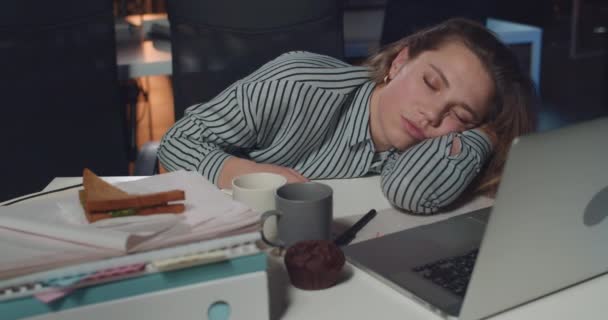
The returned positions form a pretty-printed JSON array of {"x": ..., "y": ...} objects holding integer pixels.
[
  {"x": 100, "y": 196},
  {"x": 134, "y": 201},
  {"x": 97, "y": 189}
]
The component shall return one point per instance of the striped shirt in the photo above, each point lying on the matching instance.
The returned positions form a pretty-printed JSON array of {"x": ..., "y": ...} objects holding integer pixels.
[{"x": 311, "y": 113}]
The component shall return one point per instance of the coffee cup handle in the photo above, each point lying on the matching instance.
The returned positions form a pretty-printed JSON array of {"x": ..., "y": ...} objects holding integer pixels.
[{"x": 263, "y": 218}]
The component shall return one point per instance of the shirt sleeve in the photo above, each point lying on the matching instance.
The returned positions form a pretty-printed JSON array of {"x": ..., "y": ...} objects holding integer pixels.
[
  {"x": 426, "y": 178},
  {"x": 208, "y": 134},
  {"x": 252, "y": 114}
]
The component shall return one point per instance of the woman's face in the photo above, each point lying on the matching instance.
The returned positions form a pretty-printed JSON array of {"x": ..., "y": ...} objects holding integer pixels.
[{"x": 438, "y": 92}]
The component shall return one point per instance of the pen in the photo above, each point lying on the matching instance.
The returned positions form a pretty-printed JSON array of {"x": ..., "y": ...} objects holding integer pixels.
[{"x": 348, "y": 235}]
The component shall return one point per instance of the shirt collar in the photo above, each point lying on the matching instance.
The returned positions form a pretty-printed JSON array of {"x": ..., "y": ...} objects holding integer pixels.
[{"x": 358, "y": 128}]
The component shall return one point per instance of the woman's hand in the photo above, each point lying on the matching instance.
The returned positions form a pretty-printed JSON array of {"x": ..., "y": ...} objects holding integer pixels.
[
  {"x": 486, "y": 128},
  {"x": 234, "y": 167}
]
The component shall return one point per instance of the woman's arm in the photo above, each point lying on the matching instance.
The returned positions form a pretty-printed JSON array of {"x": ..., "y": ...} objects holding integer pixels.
[
  {"x": 250, "y": 116},
  {"x": 207, "y": 136},
  {"x": 210, "y": 138},
  {"x": 433, "y": 173},
  {"x": 188, "y": 146}
]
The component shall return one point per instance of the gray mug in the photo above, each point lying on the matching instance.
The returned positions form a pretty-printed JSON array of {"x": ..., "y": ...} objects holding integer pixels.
[{"x": 303, "y": 211}]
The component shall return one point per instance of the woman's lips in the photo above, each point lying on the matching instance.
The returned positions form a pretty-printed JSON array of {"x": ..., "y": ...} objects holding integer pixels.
[{"x": 412, "y": 130}]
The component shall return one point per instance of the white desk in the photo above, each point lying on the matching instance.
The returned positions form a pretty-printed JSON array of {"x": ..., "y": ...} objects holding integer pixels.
[{"x": 361, "y": 296}]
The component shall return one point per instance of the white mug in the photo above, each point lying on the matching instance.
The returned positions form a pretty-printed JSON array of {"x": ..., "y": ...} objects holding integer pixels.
[{"x": 256, "y": 190}]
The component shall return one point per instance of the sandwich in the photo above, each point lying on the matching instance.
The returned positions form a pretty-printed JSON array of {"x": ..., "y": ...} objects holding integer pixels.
[{"x": 102, "y": 200}]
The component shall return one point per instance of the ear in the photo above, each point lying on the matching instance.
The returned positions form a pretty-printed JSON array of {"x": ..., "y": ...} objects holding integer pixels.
[{"x": 398, "y": 62}]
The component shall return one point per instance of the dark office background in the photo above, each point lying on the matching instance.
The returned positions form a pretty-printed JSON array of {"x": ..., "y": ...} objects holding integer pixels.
[
  {"x": 574, "y": 68},
  {"x": 574, "y": 62}
]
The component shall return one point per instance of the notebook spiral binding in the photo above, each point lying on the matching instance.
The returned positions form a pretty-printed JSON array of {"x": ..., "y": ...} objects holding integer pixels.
[{"x": 134, "y": 265}]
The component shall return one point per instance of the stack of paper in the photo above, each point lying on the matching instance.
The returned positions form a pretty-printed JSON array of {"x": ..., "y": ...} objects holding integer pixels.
[
  {"x": 144, "y": 276},
  {"x": 44, "y": 234}
]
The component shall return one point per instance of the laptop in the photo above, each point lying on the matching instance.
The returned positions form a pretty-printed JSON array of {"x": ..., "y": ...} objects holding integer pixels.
[{"x": 546, "y": 231}]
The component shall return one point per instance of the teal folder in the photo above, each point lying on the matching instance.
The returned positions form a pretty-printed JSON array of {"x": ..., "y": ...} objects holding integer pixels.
[{"x": 29, "y": 306}]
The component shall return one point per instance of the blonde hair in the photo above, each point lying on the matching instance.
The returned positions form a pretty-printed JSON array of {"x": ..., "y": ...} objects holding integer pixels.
[{"x": 513, "y": 104}]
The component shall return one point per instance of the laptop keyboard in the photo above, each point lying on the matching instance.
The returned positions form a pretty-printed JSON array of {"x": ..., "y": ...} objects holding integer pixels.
[{"x": 452, "y": 273}]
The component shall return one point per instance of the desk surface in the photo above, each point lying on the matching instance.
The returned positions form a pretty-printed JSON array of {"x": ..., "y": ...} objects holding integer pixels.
[{"x": 361, "y": 296}]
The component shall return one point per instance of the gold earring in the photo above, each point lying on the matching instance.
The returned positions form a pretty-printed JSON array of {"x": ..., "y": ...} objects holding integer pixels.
[{"x": 385, "y": 79}]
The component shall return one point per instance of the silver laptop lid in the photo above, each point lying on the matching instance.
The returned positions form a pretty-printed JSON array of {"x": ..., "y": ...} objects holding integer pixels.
[{"x": 547, "y": 229}]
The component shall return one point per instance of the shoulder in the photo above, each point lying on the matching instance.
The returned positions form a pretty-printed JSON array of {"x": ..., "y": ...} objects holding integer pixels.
[
  {"x": 302, "y": 66},
  {"x": 310, "y": 59}
]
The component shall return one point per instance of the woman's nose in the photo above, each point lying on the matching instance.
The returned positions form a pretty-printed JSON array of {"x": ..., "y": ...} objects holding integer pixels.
[{"x": 433, "y": 114}]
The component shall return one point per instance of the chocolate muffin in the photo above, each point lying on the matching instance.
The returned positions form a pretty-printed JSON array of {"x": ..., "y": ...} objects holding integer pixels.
[{"x": 314, "y": 264}]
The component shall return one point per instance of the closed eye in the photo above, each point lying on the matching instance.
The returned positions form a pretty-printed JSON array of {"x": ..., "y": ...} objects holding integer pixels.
[
  {"x": 429, "y": 84},
  {"x": 464, "y": 117}
]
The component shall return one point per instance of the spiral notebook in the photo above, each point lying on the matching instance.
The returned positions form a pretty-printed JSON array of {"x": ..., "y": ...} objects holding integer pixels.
[{"x": 133, "y": 265}]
